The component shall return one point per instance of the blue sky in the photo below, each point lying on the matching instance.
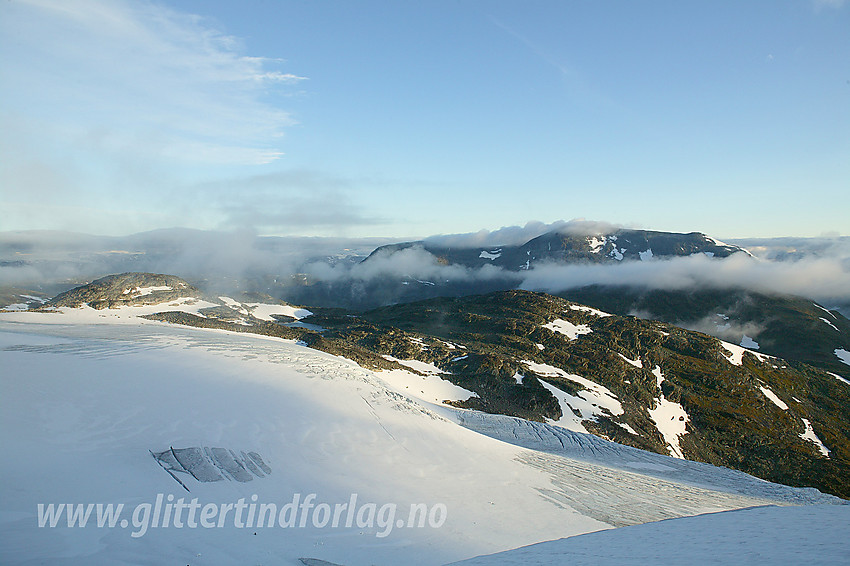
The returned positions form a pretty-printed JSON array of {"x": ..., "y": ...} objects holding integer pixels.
[{"x": 406, "y": 119}]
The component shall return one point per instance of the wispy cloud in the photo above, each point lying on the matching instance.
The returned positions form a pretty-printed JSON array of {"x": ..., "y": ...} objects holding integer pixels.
[
  {"x": 123, "y": 76},
  {"x": 834, "y": 4},
  {"x": 286, "y": 202}
]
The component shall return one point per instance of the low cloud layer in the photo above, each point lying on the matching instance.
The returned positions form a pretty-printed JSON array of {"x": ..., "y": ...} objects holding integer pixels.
[
  {"x": 814, "y": 268},
  {"x": 826, "y": 279},
  {"x": 411, "y": 263}
]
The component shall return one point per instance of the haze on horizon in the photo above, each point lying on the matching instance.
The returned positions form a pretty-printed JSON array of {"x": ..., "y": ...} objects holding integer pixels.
[{"x": 400, "y": 120}]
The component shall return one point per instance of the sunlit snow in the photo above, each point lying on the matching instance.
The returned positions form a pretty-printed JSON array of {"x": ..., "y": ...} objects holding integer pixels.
[
  {"x": 495, "y": 254},
  {"x": 590, "y": 310},
  {"x": 670, "y": 418},
  {"x": 567, "y": 328},
  {"x": 810, "y": 435},
  {"x": 773, "y": 398},
  {"x": 638, "y": 363},
  {"x": 591, "y": 402},
  {"x": 735, "y": 353}
]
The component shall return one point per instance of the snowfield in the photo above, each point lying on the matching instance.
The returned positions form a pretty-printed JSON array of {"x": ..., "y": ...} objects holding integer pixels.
[
  {"x": 87, "y": 397},
  {"x": 764, "y": 536}
]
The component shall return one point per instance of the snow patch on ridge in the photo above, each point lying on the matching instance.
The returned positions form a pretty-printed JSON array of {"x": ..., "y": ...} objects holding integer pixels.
[
  {"x": 142, "y": 291},
  {"x": 838, "y": 377}
]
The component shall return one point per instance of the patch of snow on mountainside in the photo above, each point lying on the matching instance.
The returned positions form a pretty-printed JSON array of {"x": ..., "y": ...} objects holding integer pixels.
[
  {"x": 588, "y": 404},
  {"x": 495, "y": 254},
  {"x": 638, "y": 363},
  {"x": 829, "y": 323},
  {"x": 590, "y": 310},
  {"x": 595, "y": 244},
  {"x": 747, "y": 342},
  {"x": 567, "y": 328},
  {"x": 735, "y": 354},
  {"x": 827, "y": 311},
  {"x": 773, "y": 398},
  {"x": 670, "y": 418},
  {"x": 809, "y": 434},
  {"x": 843, "y": 355},
  {"x": 838, "y": 377},
  {"x": 142, "y": 291}
]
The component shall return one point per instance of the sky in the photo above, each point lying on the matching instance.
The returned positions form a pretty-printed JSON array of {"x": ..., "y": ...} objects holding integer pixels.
[{"x": 409, "y": 119}]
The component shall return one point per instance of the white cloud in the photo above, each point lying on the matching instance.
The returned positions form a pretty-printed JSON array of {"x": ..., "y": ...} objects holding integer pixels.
[
  {"x": 138, "y": 78},
  {"x": 825, "y": 278}
]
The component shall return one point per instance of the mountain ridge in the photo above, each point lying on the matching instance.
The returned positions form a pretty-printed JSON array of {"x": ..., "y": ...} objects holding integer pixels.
[{"x": 571, "y": 247}]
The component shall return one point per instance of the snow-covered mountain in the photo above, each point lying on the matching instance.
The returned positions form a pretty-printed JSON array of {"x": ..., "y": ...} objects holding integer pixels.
[{"x": 95, "y": 401}]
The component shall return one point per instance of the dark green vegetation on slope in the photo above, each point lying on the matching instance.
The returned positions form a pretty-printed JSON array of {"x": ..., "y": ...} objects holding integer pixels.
[{"x": 793, "y": 328}]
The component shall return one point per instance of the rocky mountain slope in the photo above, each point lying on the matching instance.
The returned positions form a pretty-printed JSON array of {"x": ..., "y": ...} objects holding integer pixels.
[
  {"x": 793, "y": 328},
  {"x": 642, "y": 383},
  {"x": 126, "y": 289}
]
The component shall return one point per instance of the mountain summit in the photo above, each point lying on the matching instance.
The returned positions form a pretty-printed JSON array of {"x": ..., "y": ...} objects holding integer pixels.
[{"x": 572, "y": 247}]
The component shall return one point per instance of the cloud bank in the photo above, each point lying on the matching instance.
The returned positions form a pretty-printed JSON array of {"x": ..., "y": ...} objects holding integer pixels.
[
  {"x": 826, "y": 279},
  {"x": 818, "y": 268}
]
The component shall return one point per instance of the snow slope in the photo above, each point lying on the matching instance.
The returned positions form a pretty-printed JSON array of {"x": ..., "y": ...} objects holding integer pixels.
[
  {"x": 82, "y": 406},
  {"x": 764, "y": 536}
]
